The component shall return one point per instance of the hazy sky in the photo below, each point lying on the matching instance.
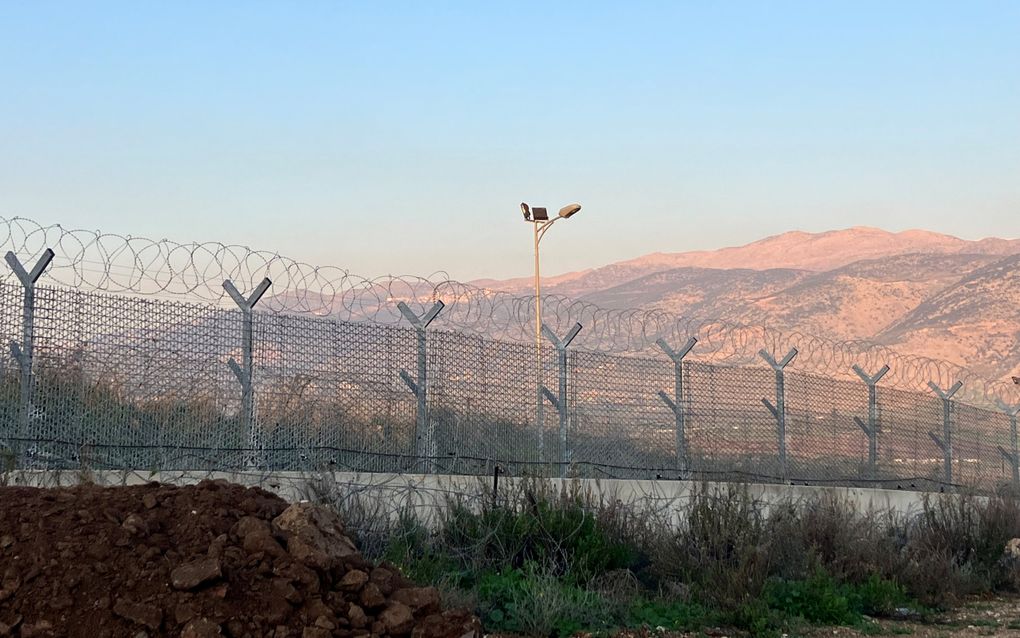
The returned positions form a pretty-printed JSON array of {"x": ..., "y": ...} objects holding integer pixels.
[{"x": 401, "y": 137}]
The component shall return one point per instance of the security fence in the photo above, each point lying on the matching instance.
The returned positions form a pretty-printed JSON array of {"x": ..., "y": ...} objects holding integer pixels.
[{"x": 101, "y": 380}]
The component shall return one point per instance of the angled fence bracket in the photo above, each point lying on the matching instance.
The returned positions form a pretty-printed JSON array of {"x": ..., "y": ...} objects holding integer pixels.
[
  {"x": 676, "y": 403},
  {"x": 872, "y": 428},
  {"x": 560, "y": 402},
  {"x": 779, "y": 409},
  {"x": 945, "y": 443},
  {"x": 244, "y": 371},
  {"x": 24, "y": 352},
  {"x": 424, "y": 429}
]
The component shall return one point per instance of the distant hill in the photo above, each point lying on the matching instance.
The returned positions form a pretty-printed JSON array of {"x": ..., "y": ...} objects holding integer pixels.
[{"x": 921, "y": 292}]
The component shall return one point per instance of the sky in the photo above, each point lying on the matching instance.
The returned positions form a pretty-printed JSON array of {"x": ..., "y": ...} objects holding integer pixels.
[{"x": 401, "y": 137}]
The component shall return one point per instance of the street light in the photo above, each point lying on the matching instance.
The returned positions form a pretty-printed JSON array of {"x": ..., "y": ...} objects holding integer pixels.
[{"x": 540, "y": 222}]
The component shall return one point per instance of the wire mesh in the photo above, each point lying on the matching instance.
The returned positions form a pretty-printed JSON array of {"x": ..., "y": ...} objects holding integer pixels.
[{"x": 123, "y": 382}]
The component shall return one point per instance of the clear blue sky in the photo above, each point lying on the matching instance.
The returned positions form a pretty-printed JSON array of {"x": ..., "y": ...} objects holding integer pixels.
[{"x": 400, "y": 137}]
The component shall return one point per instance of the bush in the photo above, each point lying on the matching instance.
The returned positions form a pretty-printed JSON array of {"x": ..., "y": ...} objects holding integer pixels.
[
  {"x": 533, "y": 602},
  {"x": 564, "y": 533},
  {"x": 719, "y": 547},
  {"x": 546, "y": 560}
]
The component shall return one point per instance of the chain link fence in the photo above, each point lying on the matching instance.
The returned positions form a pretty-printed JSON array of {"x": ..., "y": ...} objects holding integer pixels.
[{"x": 125, "y": 382}]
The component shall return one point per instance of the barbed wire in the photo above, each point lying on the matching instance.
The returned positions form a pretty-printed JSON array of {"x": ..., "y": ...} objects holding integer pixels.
[{"x": 93, "y": 260}]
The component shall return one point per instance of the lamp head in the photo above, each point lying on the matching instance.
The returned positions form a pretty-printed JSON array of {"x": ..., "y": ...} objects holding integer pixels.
[
  {"x": 569, "y": 210},
  {"x": 527, "y": 212}
]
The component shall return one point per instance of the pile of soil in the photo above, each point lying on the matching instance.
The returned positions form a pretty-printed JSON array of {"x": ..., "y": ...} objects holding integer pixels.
[{"x": 205, "y": 560}]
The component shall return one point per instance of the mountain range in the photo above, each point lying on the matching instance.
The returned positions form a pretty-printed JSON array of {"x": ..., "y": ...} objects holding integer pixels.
[{"x": 916, "y": 291}]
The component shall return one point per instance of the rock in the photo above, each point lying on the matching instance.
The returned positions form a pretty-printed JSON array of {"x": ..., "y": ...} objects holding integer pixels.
[
  {"x": 449, "y": 624},
  {"x": 183, "y": 613},
  {"x": 315, "y": 608},
  {"x": 384, "y": 579},
  {"x": 325, "y": 623},
  {"x": 262, "y": 542},
  {"x": 142, "y": 614},
  {"x": 37, "y": 630},
  {"x": 356, "y": 616},
  {"x": 298, "y": 573},
  {"x": 193, "y": 574},
  {"x": 217, "y": 546},
  {"x": 149, "y": 501},
  {"x": 371, "y": 597},
  {"x": 316, "y": 632},
  {"x": 421, "y": 600},
  {"x": 315, "y": 535},
  {"x": 6, "y": 541},
  {"x": 251, "y": 525},
  {"x": 353, "y": 581},
  {"x": 1012, "y": 549},
  {"x": 398, "y": 619},
  {"x": 282, "y": 588},
  {"x": 201, "y": 628},
  {"x": 134, "y": 525},
  {"x": 277, "y": 610}
]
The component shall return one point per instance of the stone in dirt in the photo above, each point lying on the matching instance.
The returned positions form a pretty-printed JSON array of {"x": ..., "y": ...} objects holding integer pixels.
[
  {"x": 315, "y": 535},
  {"x": 357, "y": 617},
  {"x": 140, "y": 613},
  {"x": 193, "y": 574},
  {"x": 353, "y": 581},
  {"x": 371, "y": 597},
  {"x": 201, "y": 628},
  {"x": 449, "y": 624},
  {"x": 421, "y": 600},
  {"x": 37, "y": 630},
  {"x": 134, "y": 525},
  {"x": 398, "y": 619},
  {"x": 1012, "y": 549}
]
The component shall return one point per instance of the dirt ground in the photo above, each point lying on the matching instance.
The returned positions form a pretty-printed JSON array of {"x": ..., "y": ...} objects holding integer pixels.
[
  {"x": 213, "y": 559},
  {"x": 998, "y": 616}
]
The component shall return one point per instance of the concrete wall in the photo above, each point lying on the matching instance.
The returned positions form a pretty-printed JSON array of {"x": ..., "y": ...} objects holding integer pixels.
[{"x": 424, "y": 493}]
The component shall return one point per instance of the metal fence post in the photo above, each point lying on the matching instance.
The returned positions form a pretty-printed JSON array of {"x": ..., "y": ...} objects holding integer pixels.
[
  {"x": 946, "y": 442},
  {"x": 779, "y": 409},
  {"x": 1013, "y": 456},
  {"x": 676, "y": 404},
  {"x": 424, "y": 429},
  {"x": 871, "y": 428},
  {"x": 245, "y": 372},
  {"x": 24, "y": 352},
  {"x": 560, "y": 401}
]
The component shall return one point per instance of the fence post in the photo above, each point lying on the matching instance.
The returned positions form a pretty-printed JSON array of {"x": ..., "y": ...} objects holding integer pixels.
[
  {"x": 424, "y": 429},
  {"x": 946, "y": 442},
  {"x": 245, "y": 372},
  {"x": 560, "y": 401},
  {"x": 779, "y": 409},
  {"x": 1013, "y": 457},
  {"x": 676, "y": 404},
  {"x": 872, "y": 427},
  {"x": 24, "y": 352}
]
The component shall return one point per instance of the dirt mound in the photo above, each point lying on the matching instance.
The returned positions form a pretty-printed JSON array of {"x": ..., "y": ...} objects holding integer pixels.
[{"x": 206, "y": 560}]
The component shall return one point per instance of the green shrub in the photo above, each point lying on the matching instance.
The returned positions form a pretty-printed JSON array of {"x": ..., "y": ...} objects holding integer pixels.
[
  {"x": 669, "y": 614},
  {"x": 817, "y": 599},
  {"x": 533, "y": 602},
  {"x": 562, "y": 533}
]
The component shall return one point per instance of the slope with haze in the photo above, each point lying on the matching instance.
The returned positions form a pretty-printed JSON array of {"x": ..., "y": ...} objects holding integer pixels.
[{"x": 920, "y": 292}]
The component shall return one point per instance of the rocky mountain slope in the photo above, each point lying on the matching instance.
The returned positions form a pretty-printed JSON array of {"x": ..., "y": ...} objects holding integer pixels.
[{"x": 920, "y": 292}]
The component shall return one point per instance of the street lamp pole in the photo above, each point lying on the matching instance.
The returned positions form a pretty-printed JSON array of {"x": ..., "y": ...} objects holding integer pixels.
[{"x": 540, "y": 222}]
